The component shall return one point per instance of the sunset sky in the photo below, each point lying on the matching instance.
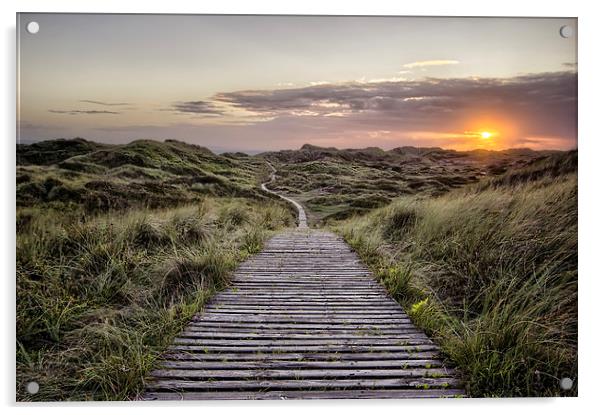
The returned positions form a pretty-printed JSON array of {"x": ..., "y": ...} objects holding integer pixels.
[{"x": 254, "y": 83}]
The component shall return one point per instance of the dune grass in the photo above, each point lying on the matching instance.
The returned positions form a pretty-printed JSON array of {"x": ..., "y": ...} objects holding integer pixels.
[
  {"x": 61, "y": 174},
  {"x": 100, "y": 296},
  {"x": 490, "y": 271},
  {"x": 118, "y": 246},
  {"x": 335, "y": 184}
]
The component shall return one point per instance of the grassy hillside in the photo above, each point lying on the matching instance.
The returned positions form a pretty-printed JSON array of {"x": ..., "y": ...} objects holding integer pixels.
[
  {"x": 54, "y": 151},
  {"x": 335, "y": 184},
  {"x": 117, "y": 247},
  {"x": 490, "y": 270},
  {"x": 144, "y": 173}
]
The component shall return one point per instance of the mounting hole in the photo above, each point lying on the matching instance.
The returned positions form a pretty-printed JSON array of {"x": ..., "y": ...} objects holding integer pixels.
[
  {"x": 33, "y": 27},
  {"x": 32, "y": 388},
  {"x": 566, "y": 384},
  {"x": 566, "y": 31}
]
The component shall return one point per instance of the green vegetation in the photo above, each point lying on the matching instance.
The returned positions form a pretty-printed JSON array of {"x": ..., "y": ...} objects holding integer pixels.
[
  {"x": 119, "y": 245},
  {"x": 117, "y": 248},
  {"x": 142, "y": 173},
  {"x": 336, "y": 184},
  {"x": 489, "y": 270}
]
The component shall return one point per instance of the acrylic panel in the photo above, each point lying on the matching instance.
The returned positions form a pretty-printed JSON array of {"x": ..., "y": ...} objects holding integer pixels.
[{"x": 216, "y": 207}]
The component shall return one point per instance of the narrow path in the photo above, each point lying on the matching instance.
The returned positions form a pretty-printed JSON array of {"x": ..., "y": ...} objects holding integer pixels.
[
  {"x": 300, "y": 210},
  {"x": 304, "y": 319}
]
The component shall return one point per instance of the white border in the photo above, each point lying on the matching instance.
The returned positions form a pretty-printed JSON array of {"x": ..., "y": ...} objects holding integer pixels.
[{"x": 590, "y": 139}]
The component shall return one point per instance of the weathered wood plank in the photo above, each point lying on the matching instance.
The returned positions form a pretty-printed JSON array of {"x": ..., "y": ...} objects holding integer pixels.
[
  {"x": 297, "y": 304},
  {"x": 303, "y": 349},
  {"x": 177, "y": 384},
  {"x": 312, "y": 315},
  {"x": 203, "y": 333},
  {"x": 300, "y": 373},
  {"x": 300, "y": 307},
  {"x": 190, "y": 338},
  {"x": 307, "y": 356},
  {"x": 302, "y": 364},
  {"x": 301, "y": 319},
  {"x": 295, "y": 326},
  {"x": 309, "y": 394}
]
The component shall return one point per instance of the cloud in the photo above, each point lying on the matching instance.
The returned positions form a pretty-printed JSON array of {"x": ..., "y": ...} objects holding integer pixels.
[
  {"x": 82, "y": 112},
  {"x": 410, "y": 99},
  {"x": 536, "y": 105},
  {"x": 534, "y": 110},
  {"x": 106, "y": 104},
  {"x": 196, "y": 107},
  {"x": 436, "y": 62}
]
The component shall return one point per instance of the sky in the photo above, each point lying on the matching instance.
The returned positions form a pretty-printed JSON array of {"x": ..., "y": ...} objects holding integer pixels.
[{"x": 256, "y": 83}]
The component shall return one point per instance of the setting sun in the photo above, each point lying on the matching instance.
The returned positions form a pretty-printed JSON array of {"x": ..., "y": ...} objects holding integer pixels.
[{"x": 486, "y": 134}]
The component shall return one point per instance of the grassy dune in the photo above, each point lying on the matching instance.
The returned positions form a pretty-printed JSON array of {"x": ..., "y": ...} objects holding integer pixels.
[
  {"x": 490, "y": 270},
  {"x": 119, "y": 245},
  {"x": 143, "y": 173},
  {"x": 335, "y": 184}
]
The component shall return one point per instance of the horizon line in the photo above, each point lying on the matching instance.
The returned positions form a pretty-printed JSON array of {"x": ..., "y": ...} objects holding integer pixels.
[{"x": 218, "y": 151}]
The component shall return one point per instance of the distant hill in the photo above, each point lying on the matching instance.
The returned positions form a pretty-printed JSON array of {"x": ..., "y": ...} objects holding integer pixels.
[
  {"x": 309, "y": 152},
  {"x": 144, "y": 172},
  {"x": 336, "y": 183},
  {"x": 53, "y": 151}
]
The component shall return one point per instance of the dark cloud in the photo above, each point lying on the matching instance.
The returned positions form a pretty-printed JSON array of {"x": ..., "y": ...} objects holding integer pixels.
[
  {"x": 106, "y": 104},
  {"x": 196, "y": 107},
  {"x": 82, "y": 112},
  {"x": 539, "y": 104},
  {"x": 402, "y": 98}
]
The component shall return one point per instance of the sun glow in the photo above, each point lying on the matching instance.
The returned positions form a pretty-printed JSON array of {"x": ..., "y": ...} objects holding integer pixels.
[
  {"x": 482, "y": 134},
  {"x": 485, "y": 135}
]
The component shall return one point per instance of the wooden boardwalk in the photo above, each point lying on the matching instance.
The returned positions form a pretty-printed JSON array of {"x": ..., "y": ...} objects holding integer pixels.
[{"x": 304, "y": 319}]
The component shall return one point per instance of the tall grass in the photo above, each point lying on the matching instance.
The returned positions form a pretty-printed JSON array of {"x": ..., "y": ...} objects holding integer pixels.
[
  {"x": 491, "y": 272},
  {"x": 99, "y": 297}
]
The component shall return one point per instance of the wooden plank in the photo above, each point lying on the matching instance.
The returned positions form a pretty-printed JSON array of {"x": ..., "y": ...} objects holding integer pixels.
[
  {"x": 302, "y": 349},
  {"x": 323, "y": 288},
  {"x": 301, "y": 307},
  {"x": 298, "y": 304},
  {"x": 235, "y": 308},
  {"x": 308, "y": 356},
  {"x": 194, "y": 332},
  {"x": 301, "y": 319},
  {"x": 300, "y": 373},
  {"x": 297, "y": 326},
  {"x": 410, "y": 340},
  {"x": 301, "y": 364},
  {"x": 292, "y": 312},
  {"x": 312, "y": 394},
  {"x": 246, "y": 294},
  {"x": 335, "y": 291},
  {"x": 176, "y": 384}
]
